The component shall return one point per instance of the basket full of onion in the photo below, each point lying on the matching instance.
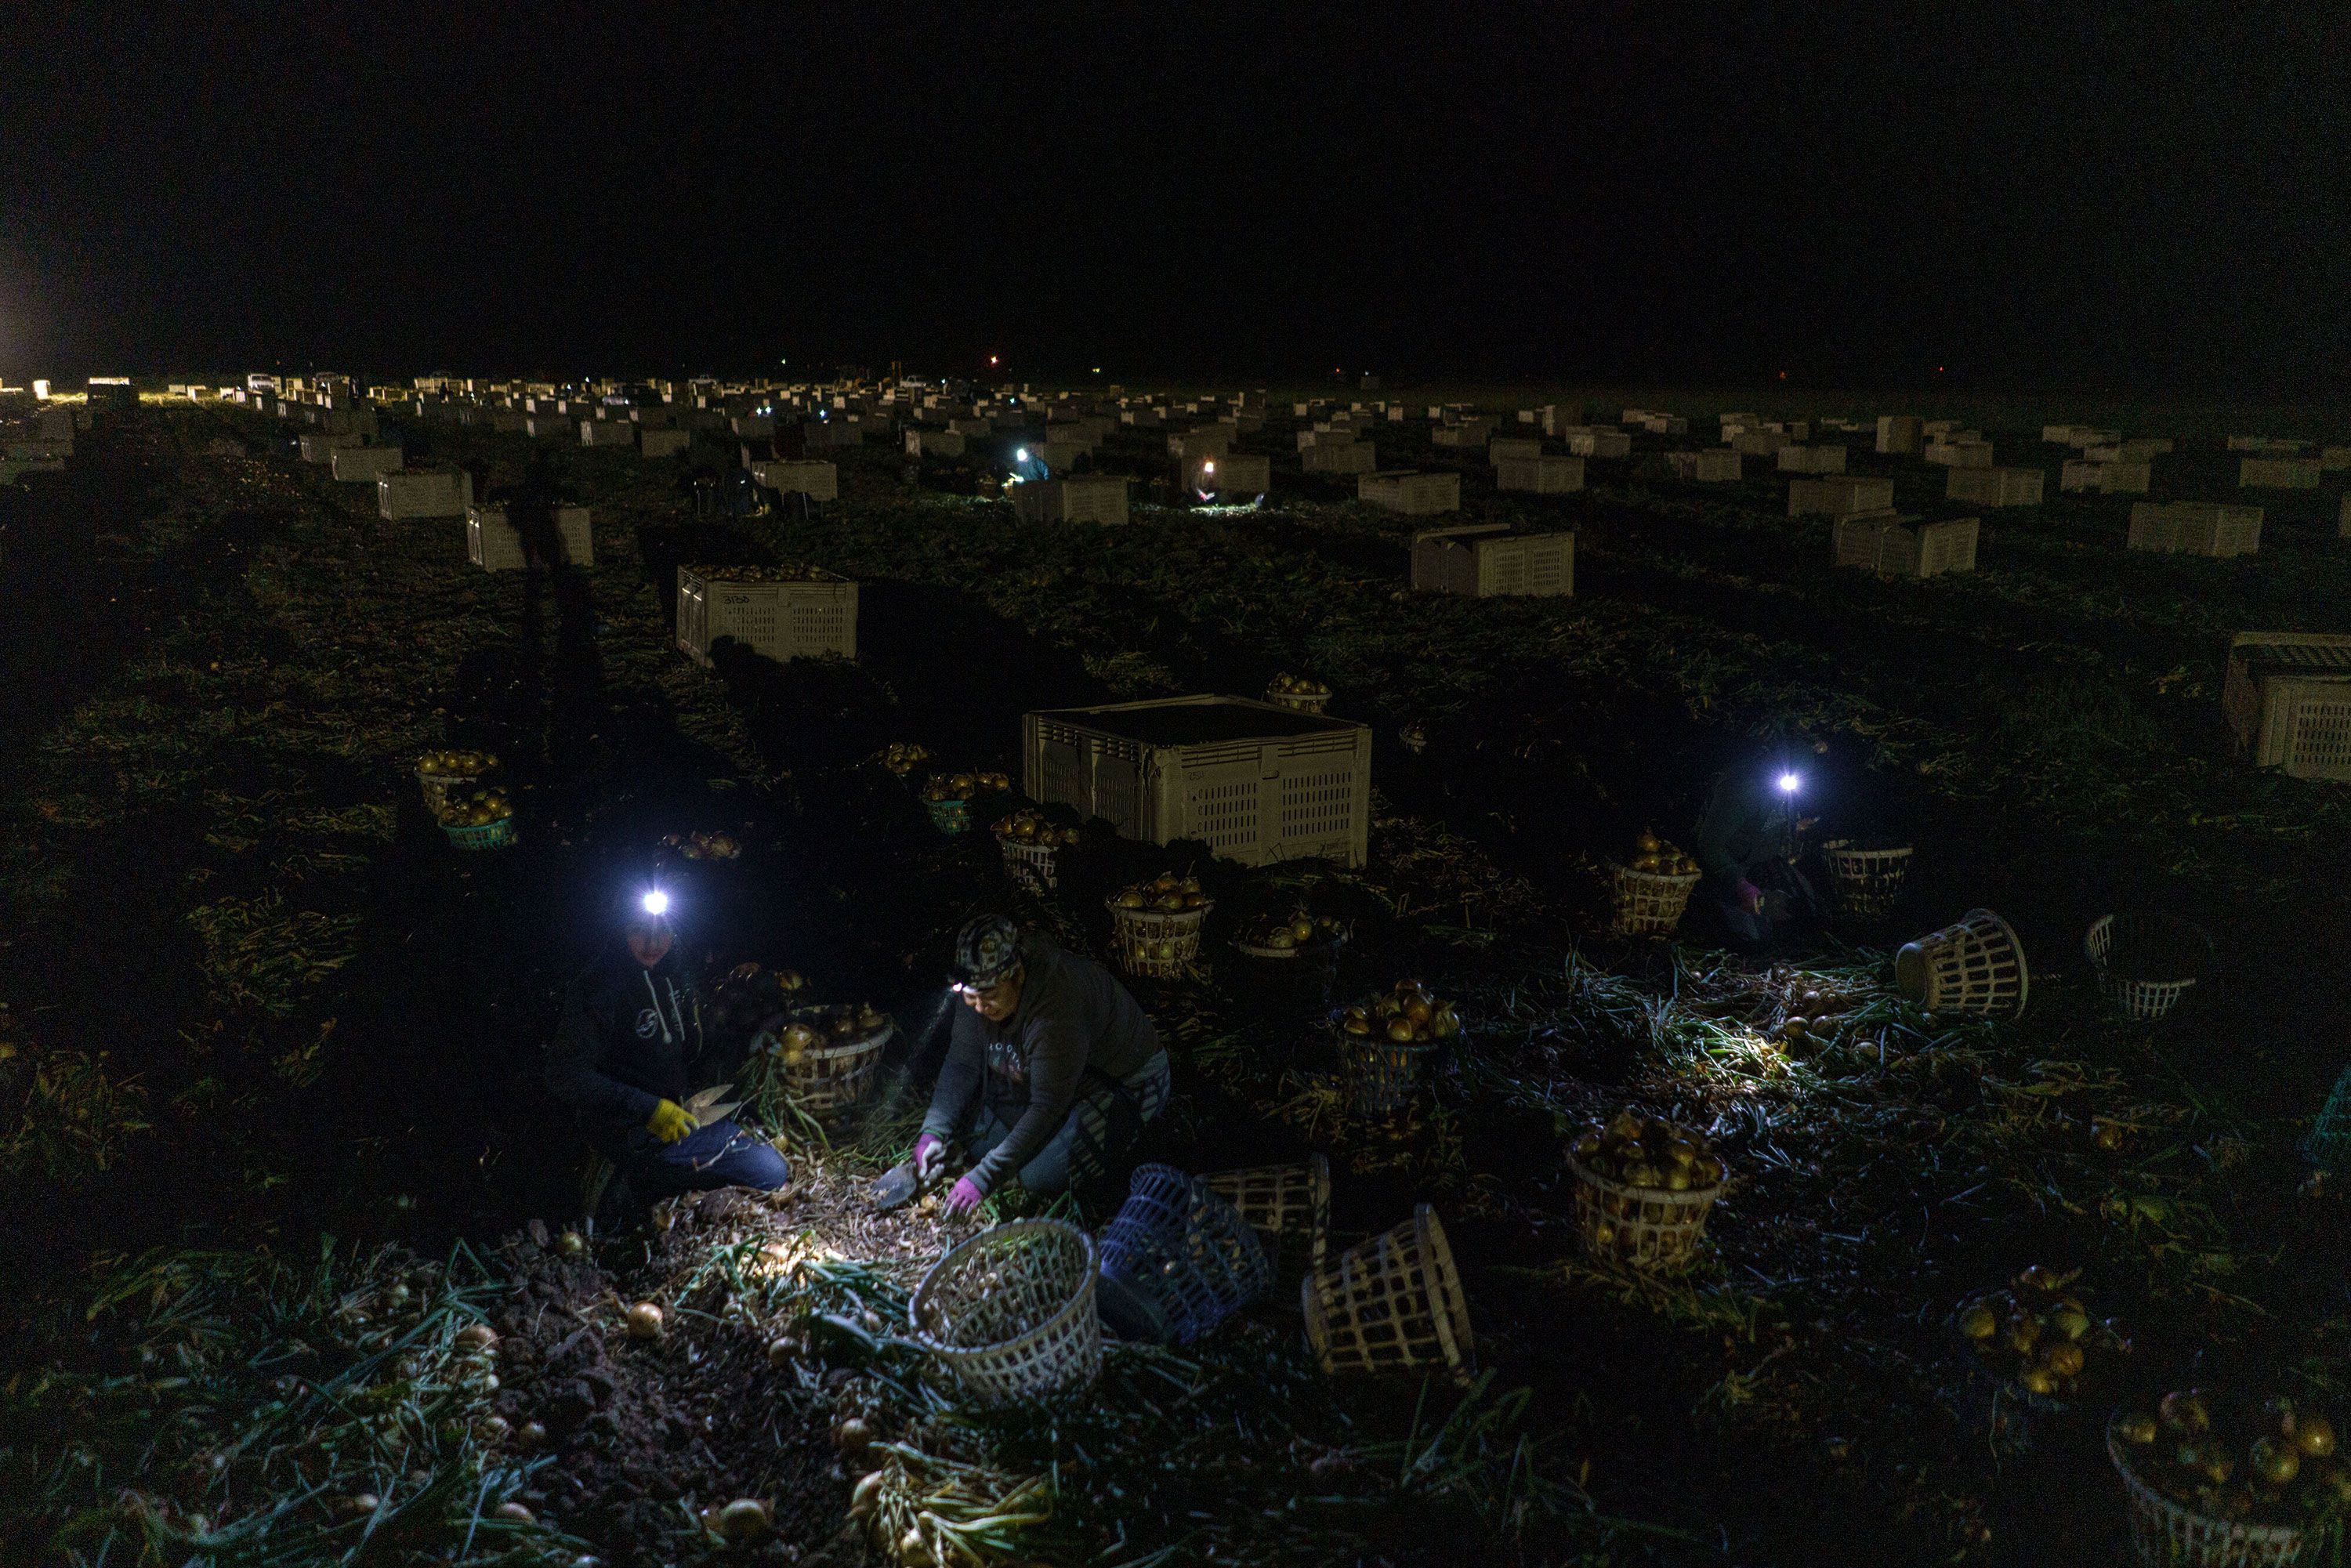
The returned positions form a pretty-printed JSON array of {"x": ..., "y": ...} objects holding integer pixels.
[
  {"x": 1643, "y": 1187},
  {"x": 2034, "y": 1354},
  {"x": 1289, "y": 960},
  {"x": 1649, "y": 892},
  {"x": 1387, "y": 1043},
  {"x": 1155, "y": 925},
  {"x": 1032, "y": 843},
  {"x": 2217, "y": 1485}
]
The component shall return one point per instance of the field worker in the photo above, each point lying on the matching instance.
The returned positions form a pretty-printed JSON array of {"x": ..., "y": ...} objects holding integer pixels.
[
  {"x": 1052, "y": 1072},
  {"x": 1746, "y": 845},
  {"x": 630, "y": 1051}
]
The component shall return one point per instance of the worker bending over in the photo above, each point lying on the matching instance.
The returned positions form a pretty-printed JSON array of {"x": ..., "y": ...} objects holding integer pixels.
[
  {"x": 630, "y": 1051},
  {"x": 1052, "y": 1072},
  {"x": 1747, "y": 844}
]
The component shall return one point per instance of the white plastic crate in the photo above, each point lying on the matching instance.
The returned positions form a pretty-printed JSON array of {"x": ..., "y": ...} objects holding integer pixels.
[
  {"x": 781, "y": 620},
  {"x": 663, "y": 442},
  {"x": 1469, "y": 434},
  {"x": 815, "y": 478},
  {"x": 1209, "y": 441},
  {"x": 2288, "y": 699},
  {"x": 363, "y": 464},
  {"x": 1758, "y": 443},
  {"x": 1256, "y": 781},
  {"x": 1811, "y": 459},
  {"x": 1077, "y": 498},
  {"x": 1339, "y": 457},
  {"x": 1412, "y": 494},
  {"x": 1549, "y": 475},
  {"x": 320, "y": 447},
  {"x": 1490, "y": 560},
  {"x": 2113, "y": 478},
  {"x": 1996, "y": 487},
  {"x": 1503, "y": 446},
  {"x": 2195, "y": 528},
  {"x": 424, "y": 493},
  {"x": 1900, "y": 434},
  {"x": 495, "y": 544},
  {"x": 934, "y": 444},
  {"x": 2278, "y": 474},
  {"x": 1236, "y": 473},
  {"x": 607, "y": 433},
  {"x": 1716, "y": 464},
  {"x": 1958, "y": 453},
  {"x": 1839, "y": 496},
  {"x": 550, "y": 426},
  {"x": 1904, "y": 547}
]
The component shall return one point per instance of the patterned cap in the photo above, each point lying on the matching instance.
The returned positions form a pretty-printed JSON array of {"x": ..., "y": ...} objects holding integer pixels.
[{"x": 985, "y": 950}]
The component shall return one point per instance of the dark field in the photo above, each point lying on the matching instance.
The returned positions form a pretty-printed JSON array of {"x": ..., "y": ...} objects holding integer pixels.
[{"x": 273, "y": 1047}]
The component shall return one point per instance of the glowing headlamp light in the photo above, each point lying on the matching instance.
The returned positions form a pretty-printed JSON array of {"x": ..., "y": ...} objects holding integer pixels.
[
  {"x": 655, "y": 903},
  {"x": 1790, "y": 783}
]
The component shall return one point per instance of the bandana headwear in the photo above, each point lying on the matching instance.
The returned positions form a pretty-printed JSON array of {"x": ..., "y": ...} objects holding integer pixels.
[{"x": 985, "y": 950}]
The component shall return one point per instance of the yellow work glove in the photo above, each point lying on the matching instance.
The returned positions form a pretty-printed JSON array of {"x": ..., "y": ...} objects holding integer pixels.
[{"x": 669, "y": 1121}]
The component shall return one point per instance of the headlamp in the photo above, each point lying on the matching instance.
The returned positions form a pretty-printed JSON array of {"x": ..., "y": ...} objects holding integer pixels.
[
  {"x": 1790, "y": 783},
  {"x": 655, "y": 903}
]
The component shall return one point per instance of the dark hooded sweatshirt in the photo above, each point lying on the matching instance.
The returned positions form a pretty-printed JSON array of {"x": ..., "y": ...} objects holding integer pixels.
[
  {"x": 1073, "y": 1015},
  {"x": 630, "y": 1038}
]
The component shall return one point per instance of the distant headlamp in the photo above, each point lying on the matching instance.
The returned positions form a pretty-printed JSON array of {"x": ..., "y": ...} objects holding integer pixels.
[{"x": 1790, "y": 783}]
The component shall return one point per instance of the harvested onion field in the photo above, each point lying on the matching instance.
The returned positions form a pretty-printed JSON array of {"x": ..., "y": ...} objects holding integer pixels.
[{"x": 278, "y": 1044}]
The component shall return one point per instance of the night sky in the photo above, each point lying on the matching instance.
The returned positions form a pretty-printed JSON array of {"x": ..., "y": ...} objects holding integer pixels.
[{"x": 2155, "y": 201}]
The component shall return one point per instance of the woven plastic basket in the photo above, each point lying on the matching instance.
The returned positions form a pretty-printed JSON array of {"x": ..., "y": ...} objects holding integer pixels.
[
  {"x": 1010, "y": 1312},
  {"x": 1382, "y": 1075},
  {"x": 838, "y": 1074},
  {"x": 1648, "y": 903},
  {"x": 1646, "y": 1228},
  {"x": 1158, "y": 945},
  {"x": 1865, "y": 882},
  {"x": 1303, "y": 702},
  {"x": 2146, "y": 962},
  {"x": 1289, "y": 1207},
  {"x": 495, "y": 835},
  {"x": 1974, "y": 966},
  {"x": 1392, "y": 1304},
  {"x": 2166, "y": 1535},
  {"x": 949, "y": 817},
  {"x": 1034, "y": 866},
  {"x": 2328, "y": 1146},
  {"x": 1178, "y": 1241}
]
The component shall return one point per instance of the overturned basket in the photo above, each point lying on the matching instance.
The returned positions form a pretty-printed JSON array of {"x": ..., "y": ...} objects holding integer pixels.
[
  {"x": 1865, "y": 881},
  {"x": 1976, "y": 966},
  {"x": 1156, "y": 943},
  {"x": 1289, "y": 1207},
  {"x": 1177, "y": 1242},
  {"x": 1010, "y": 1312},
  {"x": 1648, "y": 903},
  {"x": 2166, "y": 1535},
  {"x": 1647, "y": 1227},
  {"x": 1392, "y": 1305},
  {"x": 837, "y": 1072},
  {"x": 2146, "y": 962}
]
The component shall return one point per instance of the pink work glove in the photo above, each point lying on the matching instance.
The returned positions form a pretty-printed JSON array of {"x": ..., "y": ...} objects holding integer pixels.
[
  {"x": 928, "y": 1151},
  {"x": 1751, "y": 897},
  {"x": 965, "y": 1198}
]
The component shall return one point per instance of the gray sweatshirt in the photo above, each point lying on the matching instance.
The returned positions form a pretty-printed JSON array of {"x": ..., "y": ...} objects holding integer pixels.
[{"x": 1073, "y": 1015}]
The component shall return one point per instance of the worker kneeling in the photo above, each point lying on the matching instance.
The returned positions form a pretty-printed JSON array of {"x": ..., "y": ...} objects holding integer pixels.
[
  {"x": 630, "y": 1053},
  {"x": 1052, "y": 1072}
]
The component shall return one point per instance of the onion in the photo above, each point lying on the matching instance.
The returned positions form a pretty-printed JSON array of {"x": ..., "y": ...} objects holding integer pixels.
[
  {"x": 742, "y": 1521},
  {"x": 644, "y": 1321},
  {"x": 853, "y": 1437},
  {"x": 514, "y": 1511},
  {"x": 478, "y": 1336},
  {"x": 2314, "y": 1435},
  {"x": 913, "y": 1552},
  {"x": 867, "y": 1497}
]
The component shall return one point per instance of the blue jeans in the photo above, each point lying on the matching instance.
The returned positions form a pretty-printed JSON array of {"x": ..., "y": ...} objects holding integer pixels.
[
  {"x": 1102, "y": 1122},
  {"x": 719, "y": 1153}
]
